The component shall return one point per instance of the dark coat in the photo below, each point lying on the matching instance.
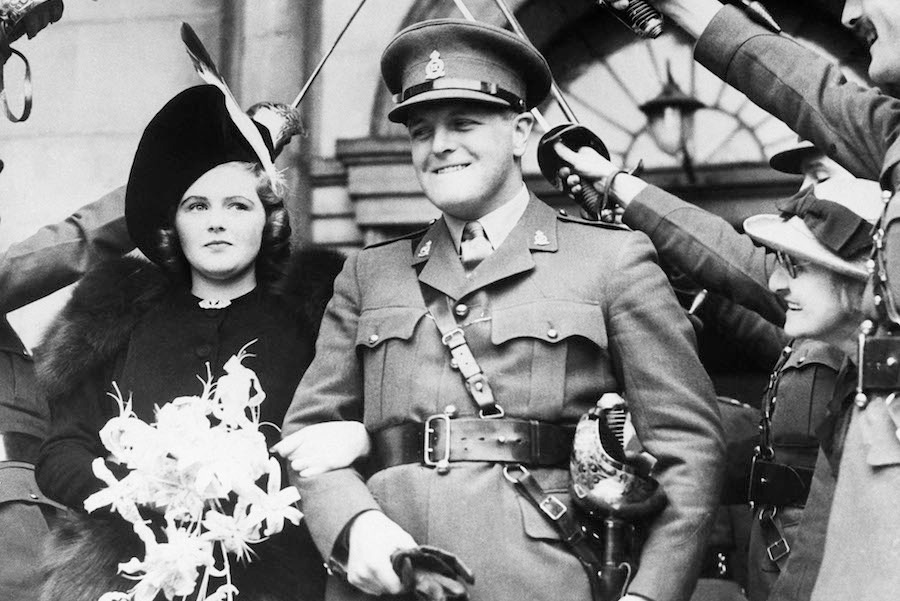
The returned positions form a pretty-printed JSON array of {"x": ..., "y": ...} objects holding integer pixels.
[
  {"x": 562, "y": 312},
  {"x": 129, "y": 323}
]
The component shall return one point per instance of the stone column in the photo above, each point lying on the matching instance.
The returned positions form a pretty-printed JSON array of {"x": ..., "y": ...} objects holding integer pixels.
[{"x": 272, "y": 46}]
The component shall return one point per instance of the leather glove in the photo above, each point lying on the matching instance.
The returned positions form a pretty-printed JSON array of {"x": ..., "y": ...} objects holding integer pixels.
[{"x": 432, "y": 574}]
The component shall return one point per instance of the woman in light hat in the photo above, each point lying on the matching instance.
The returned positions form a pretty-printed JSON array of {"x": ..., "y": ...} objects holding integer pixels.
[
  {"x": 808, "y": 276},
  {"x": 203, "y": 204}
]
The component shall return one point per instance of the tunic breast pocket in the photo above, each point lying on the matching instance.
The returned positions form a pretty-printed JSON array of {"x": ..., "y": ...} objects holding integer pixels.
[
  {"x": 385, "y": 344},
  {"x": 557, "y": 348}
]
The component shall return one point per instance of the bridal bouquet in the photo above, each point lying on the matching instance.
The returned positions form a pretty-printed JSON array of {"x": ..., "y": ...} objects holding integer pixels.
[{"x": 200, "y": 465}]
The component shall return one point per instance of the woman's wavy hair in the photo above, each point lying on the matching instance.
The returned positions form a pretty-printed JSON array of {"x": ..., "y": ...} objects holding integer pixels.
[{"x": 274, "y": 252}]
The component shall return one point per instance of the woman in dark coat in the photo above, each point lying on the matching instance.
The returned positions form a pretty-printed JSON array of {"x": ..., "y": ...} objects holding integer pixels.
[{"x": 201, "y": 204}]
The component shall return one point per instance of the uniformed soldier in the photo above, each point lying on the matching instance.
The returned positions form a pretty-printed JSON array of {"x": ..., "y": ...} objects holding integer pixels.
[
  {"x": 475, "y": 344},
  {"x": 54, "y": 257}
]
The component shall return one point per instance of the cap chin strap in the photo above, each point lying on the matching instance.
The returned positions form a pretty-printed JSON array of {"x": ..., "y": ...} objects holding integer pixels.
[{"x": 474, "y": 85}]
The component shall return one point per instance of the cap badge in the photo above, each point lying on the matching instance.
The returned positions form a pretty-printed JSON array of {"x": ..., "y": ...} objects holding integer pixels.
[
  {"x": 425, "y": 250},
  {"x": 435, "y": 67},
  {"x": 540, "y": 238}
]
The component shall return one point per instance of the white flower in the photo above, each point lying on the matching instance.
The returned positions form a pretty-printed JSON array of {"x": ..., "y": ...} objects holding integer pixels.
[
  {"x": 199, "y": 465},
  {"x": 171, "y": 567},
  {"x": 277, "y": 505},
  {"x": 236, "y": 392},
  {"x": 234, "y": 532},
  {"x": 118, "y": 494}
]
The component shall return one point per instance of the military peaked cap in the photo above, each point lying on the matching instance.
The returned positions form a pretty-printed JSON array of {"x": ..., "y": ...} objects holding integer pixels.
[{"x": 445, "y": 59}]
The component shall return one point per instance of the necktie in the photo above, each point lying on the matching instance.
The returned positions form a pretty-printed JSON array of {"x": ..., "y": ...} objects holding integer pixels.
[{"x": 474, "y": 247}]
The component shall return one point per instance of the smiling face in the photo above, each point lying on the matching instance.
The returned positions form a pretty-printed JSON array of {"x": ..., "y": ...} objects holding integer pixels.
[
  {"x": 219, "y": 222},
  {"x": 815, "y": 308},
  {"x": 466, "y": 155}
]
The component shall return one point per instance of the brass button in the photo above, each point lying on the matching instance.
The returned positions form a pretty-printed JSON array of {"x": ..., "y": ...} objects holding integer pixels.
[
  {"x": 33, "y": 496},
  {"x": 451, "y": 410},
  {"x": 461, "y": 310},
  {"x": 373, "y": 338},
  {"x": 800, "y": 360},
  {"x": 552, "y": 334}
]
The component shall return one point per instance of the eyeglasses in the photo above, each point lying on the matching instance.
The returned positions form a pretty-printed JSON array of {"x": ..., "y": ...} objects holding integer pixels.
[{"x": 792, "y": 266}]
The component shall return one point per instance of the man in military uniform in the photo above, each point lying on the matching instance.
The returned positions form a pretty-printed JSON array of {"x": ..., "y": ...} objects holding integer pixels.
[
  {"x": 53, "y": 257},
  {"x": 543, "y": 314}
]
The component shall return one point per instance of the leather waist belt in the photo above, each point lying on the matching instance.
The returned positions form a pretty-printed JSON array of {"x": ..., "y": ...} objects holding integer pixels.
[
  {"x": 778, "y": 484},
  {"x": 442, "y": 440},
  {"x": 15, "y": 446}
]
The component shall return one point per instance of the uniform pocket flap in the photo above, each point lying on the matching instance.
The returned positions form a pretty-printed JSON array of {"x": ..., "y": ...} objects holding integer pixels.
[
  {"x": 17, "y": 484},
  {"x": 386, "y": 323},
  {"x": 550, "y": 321}
]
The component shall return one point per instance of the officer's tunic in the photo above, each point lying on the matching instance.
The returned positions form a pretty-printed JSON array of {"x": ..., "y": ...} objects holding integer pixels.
[{"x": 560, "y": 313}]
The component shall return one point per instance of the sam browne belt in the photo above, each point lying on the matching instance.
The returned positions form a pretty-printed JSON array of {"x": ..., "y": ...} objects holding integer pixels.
[{"x": 440, "y": 441}]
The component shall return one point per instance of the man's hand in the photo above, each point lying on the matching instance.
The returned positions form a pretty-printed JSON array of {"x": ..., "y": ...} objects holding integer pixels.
[
  {"x": 373, "y": 539},
  {"x": 320, "y": 448}
]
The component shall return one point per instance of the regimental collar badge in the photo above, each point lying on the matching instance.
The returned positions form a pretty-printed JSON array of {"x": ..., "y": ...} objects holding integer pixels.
[
  {"x": 425, "y": 250},
  {"x": 435, "y": 67},
  {"x": 540, "y": 238}
]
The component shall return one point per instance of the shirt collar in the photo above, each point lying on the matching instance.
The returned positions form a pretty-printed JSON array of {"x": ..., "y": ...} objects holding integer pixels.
[{"x": 497, "y": 224}]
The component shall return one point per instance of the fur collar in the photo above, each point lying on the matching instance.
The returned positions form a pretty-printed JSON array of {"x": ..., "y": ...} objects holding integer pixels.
[{"x": 108, "y": 302}]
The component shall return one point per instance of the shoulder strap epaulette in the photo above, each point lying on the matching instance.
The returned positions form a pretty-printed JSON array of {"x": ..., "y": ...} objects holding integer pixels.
[
  {"x": 562, "y": 215},
  {"x": 410, "y": 236}
]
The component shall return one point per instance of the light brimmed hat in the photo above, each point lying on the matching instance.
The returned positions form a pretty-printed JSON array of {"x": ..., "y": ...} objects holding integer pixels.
[
  {"x": 829, "y": 224},
  {"x": 189, "y": 136},
  {"x": 444, "y": 59},
  {"x": 791, "y": 160}
]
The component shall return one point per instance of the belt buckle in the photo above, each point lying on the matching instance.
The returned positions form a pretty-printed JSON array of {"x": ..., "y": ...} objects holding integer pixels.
[
  {"x": 442, "y": 464},
  {"x": 553, "y": 508},
  {"x": 454, "y": 338},
  {"x": 778, "y": 549}
]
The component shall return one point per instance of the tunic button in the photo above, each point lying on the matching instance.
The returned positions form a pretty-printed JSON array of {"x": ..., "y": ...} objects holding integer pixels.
[
  {"x": 203, "y": 350},
  {"x": 33, "y": 496},
  {"x": 552, "y": 334},
  {"x": 800, "y": 360},
  {"x": 373, "y": 338},
  {"x": 462, "y": 310},
  {"x": 451, "y": 411}
]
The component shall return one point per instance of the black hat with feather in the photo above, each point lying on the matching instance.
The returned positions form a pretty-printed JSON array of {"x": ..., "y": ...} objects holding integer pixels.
[{"x": 193, "y": 133}]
